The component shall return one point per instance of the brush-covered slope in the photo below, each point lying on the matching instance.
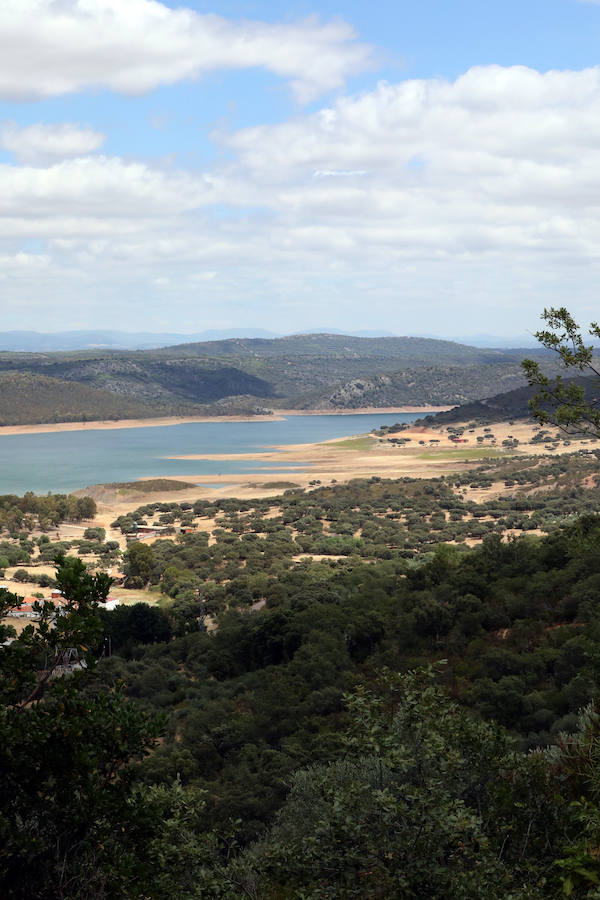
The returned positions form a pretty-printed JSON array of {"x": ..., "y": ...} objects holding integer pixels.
[
  {"x": 27, "y": 399},
  {"x": 435, "y": 385},
  {"x": 303, "y": 371},
  {"x": 506, "y": 405}
]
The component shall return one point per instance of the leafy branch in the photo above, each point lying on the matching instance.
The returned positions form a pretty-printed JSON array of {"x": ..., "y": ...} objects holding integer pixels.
[{"x": 567, "y": 404}]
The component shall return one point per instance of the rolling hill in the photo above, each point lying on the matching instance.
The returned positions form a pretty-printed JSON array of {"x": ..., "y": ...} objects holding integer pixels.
[
  {"x": 507, "y": 405},
  {"x": 27, "y": 398},
  {"x": 314, "y": 371}
]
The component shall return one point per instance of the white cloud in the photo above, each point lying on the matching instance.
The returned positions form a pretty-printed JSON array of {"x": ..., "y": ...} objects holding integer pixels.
[
  {"x": 100, "y": 187},
  {"x": 407, "y": 202},
  {"x": 330, "y": 173},
  {"x": 492, "y": 115},
  {"x": 51, "y": 47},
  {"x": 501, "y": 158},
  {"x": 41, "y": 144}
]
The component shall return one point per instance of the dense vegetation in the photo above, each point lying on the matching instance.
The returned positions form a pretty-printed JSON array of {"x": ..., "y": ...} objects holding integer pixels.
[
  {"x": 290, "y": 766},
  {"x": 304, "y": 371}
]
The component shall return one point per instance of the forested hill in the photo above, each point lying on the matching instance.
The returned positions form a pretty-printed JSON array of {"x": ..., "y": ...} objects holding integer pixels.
[
  {"x": 506, "y": 405},
  {"x": 26, "y": 398},
  {"x": 410, "y": 350},
  {"x": 318, "y": 371}
]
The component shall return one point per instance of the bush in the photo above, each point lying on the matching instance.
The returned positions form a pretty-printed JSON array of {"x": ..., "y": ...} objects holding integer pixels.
[
  {"x": 94, "y": 534},
  {"x": 21, "y": 575}
]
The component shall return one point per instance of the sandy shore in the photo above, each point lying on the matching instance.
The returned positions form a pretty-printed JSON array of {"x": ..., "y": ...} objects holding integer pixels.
[
  {"x": 127, "y": 423},
  {"x": 429, "y": 453},
  {"x": 278, "y": 416}
]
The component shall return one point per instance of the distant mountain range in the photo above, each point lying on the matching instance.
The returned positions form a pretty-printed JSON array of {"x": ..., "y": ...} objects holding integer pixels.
[
  {"x": 42, "y": 342},
  {"x": 49, "y": 342},
  {"x": 491, "y": 340}
]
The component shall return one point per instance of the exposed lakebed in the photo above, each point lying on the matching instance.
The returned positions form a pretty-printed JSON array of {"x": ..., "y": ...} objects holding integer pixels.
[{"x": 65, "y": 461}]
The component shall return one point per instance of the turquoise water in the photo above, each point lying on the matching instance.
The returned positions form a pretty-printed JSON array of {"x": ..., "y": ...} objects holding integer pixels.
[{"x": 68, "y": 460}]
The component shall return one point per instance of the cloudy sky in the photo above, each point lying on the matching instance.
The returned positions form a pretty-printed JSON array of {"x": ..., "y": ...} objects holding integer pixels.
[{"x": 428, "y": 167}]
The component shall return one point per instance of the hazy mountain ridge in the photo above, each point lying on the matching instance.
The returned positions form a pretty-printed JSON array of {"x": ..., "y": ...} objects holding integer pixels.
[
  {"x": 39, "y": 342},
  {"x": 109, "y": 339},
  {"x": 406, "y": 350}
]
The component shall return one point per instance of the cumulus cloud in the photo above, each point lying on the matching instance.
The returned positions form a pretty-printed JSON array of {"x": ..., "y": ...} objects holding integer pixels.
[
  {"x": 493, "y": 113},
  {"x": 101, "y": 187},
  {"x": 51, "y": 47},
  {"x": 417, "y": 195},
  {"x": 42, "y": 144},
  {"x": 499, "y": 158},
  {"x": 329, "y": 173}
]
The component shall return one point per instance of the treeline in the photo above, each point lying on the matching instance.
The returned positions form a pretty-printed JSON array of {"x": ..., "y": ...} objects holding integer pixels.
[{"x": 31, "y": 512}]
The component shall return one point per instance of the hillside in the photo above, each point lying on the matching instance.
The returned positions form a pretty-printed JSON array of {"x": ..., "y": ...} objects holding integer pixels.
[
  {"x": 301, "y": 372},
  {"x": 512, "y": 404},
  {"x": 410, "y": 350},
  {"x": 436, "y": 385},
  {"x": 265, "y": 683},
  {"x": 26, "y": 398}
]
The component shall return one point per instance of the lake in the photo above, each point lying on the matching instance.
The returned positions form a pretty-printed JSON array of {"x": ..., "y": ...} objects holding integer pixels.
[{"x": 65, "y": 461}]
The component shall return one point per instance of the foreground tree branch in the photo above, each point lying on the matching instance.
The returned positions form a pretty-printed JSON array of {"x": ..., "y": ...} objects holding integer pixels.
[{"x": 571, "y": 406}]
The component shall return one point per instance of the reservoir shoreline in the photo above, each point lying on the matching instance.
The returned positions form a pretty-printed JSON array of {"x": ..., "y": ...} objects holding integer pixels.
[
  {"x": 278, "y": 416},
  {"x": 43, "y": 458}
]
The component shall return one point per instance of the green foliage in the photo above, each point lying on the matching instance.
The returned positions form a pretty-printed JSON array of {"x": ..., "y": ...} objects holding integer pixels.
[
  {"x": 30, "y": 512},
  {"x": 138, "y": 564},
  {"x": 65, "y": 748},
  {"x": 127, "y": 626},
  {"x": 566, "y": 404},
  {"x": 424, "y": 803},
  {"x": 94, "y": 534}
]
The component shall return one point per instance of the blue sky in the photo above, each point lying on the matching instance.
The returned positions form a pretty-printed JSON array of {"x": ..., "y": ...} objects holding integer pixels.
[{"x": 421, "y": 168}]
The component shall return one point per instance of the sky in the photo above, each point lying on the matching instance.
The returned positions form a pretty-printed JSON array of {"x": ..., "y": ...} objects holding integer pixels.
[{"x": 419, "y": 168}]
